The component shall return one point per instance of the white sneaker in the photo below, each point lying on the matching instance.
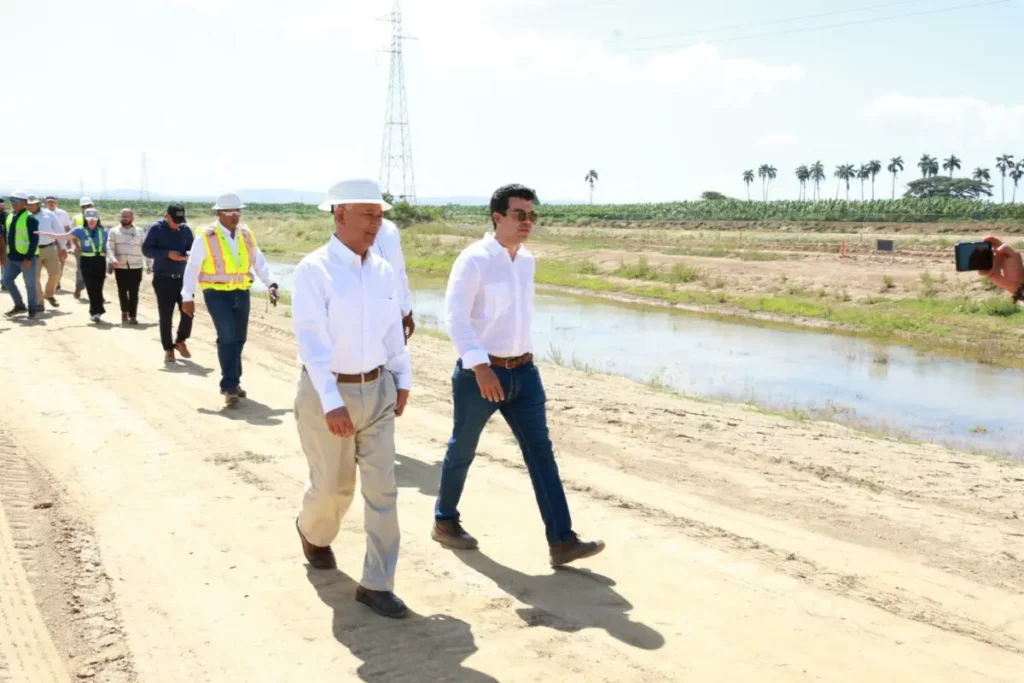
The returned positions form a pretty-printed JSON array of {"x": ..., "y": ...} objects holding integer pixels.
[{"x": 96, "y": 318}]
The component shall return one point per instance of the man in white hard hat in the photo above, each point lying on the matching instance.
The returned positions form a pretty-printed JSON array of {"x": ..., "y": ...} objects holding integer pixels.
[
  {"x": 356, "y": 376},
  {"x": 65, "y": 222},
  {"x": 223, "y": 258},
  {"x": 50, "y": 251},
  {"x": 22, "y": 231}
]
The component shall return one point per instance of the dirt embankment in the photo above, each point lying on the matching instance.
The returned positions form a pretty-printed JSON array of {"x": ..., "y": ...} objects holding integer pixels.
[{"x": 148, "y": 536}]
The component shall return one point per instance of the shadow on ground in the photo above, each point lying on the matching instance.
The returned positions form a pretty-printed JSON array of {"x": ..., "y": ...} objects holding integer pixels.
[
  {"x": 186, "y": 367},
  {"x": 248, "y": 410},
  {"x": 416, "y": 649},
  {"x": 567, "y": 599}
]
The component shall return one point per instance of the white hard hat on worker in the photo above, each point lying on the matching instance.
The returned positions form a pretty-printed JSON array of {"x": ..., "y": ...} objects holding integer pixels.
[
  {"x": 357, "y": 191},
  {"x": 229, "y": 202}
]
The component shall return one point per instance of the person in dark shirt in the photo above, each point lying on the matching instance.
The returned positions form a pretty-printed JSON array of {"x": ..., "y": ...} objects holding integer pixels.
[
  {"x": 22, "y": 227},
  {"x": 168, "y": 243}
]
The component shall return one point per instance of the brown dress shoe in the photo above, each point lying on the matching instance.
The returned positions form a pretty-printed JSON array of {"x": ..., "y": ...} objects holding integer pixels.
[
  {"x": 574, "y": 549},
  {"x": 451, "y": 535},
  {"x": 384, "y": 603},
  {"x": 182, "y": 348},
  {"x": 318, "y": 558}
]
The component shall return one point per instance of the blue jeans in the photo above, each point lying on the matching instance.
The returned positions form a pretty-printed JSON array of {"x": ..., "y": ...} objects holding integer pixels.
[
  {"x": 11, "y": 273},
  {"x": 524, "y": 411},
  {"x": 230, "y": 313}
]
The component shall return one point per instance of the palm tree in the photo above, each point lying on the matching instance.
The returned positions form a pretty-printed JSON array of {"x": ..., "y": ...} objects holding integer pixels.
[
  {"x": 767, "y": 174},
  {"x": 590, "y": 179},
  {"x": 845, "y": 172},
  {"x": 874, "y": 168},
  {"x": 773, "y": 173},
  {"x": 803, "y": 174},
  {"x": 748, "y": 178},
  {"x": 863, "y": 173},
  {"x": 982, "y": 174},
  {"x": 1004, "y": 164},
  {"x": 951, "y": 164},
  {"x": 925, "y": 164},
  {"x": 1015, "y": 175},
  {"x": 895, "y": 166},
  {"x": 818, "y": 176}
]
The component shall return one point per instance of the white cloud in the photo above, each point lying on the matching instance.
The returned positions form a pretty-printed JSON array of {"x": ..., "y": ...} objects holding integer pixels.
[
  {"x": 958, "y": 119},
  {"x": 464, "y": 35},
  {"x": 778, "y": 140}
]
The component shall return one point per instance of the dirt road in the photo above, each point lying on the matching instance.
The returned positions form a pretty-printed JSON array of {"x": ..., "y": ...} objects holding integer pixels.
[{"x": 146, "y": 535}]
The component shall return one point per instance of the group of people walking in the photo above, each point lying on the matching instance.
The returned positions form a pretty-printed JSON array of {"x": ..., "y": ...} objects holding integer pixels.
[
  {"x": 352, "y": 318},
  {"x": 352, "y": 328}
]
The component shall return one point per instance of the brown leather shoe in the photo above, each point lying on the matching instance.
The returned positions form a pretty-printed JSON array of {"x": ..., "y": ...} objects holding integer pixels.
[
  {"x": 574, "y": 549},
  {"x": 384, "y": 603},
  {"x": 451, "y": 535},
  {"x": 318, "y": 558},
  {"x": 182, "y": 348}
]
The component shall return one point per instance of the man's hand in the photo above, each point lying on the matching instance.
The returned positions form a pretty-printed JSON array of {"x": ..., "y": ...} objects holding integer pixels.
[
  {"x": 175, "y": 256},
  {"x": 409, "y": 325},
  {"x": 111, "y": 268},
  {"x": 340, "y": 424},
  {"x": 25, "y": 265},
  {"x": 403, "y": 398},
  {"x": 1007, "y": 268},
  {"x": 274, "y": 295},
  {"x": 149, "y": 270},
  {"x": 490, "y": 385},
  {"x": 188, "y": 308}
]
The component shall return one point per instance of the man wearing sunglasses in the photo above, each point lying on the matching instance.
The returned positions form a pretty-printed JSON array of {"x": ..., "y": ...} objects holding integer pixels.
[
  {"x": 221, "y": 262},
  {"x": 489, "y": 306}
]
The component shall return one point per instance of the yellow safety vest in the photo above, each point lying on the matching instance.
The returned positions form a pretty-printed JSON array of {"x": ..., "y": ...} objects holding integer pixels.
[
  {"x": 220, "y": 270},
  {"x": 20, "y": 235}
]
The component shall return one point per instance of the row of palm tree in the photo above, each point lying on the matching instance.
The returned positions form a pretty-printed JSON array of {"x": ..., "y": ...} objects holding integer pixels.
[{"x": 844, "y": 173}]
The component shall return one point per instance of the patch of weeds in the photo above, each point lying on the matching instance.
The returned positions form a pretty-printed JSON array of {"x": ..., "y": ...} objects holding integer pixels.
[
  {"x": 888, "y": 283},
  {"x": 588, "y": 267},
  {"x": 682, "y": 273}
]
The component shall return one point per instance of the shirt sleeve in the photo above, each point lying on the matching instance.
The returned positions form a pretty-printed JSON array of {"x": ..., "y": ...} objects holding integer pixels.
[
  {"x": 399, "y": 361},
  {"x": 195, "y": 263},
  {"x": 402, "y": 277},
  {"x": 259, "y": 264},
  {"x": 111, "y": 247},
  {"x": 463, "y": 284},
  {"x": 149, "y": 248},
  {"x": 32, "y": 224},
  {"x": 312, "y": 334}
]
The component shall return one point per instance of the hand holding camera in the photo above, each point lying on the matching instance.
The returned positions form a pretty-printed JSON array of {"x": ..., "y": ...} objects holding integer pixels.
[{"x": 1000, "y": 263}]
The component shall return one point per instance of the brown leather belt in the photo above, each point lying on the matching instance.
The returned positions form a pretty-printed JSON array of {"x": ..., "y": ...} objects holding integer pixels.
[
  {"x": 360, "y": 378},
  {"x": 511, "y": 363}
]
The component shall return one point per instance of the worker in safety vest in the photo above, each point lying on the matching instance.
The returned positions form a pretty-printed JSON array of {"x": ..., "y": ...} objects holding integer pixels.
[
  {"x": 91, "y": 244},
  {"x": 223, "y": 258},
  {"x": 22, "y": 230}
]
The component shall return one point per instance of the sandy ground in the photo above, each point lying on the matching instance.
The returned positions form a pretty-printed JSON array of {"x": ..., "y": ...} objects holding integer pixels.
[{"x": 148, "y": 535}]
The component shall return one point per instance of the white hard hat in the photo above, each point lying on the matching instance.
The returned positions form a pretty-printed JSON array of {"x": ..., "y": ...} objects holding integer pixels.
[
  {"x": 228, "y": 202},
  {"x": 359, "y": 191},
  {"x": 85, "y": 201},
  {"x": 18, "y": 194}
]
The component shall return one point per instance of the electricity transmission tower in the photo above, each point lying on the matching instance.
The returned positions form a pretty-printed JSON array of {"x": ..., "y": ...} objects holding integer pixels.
[
  {"x": 396, "y": 172},
  {"x": 143, "y": 180}
]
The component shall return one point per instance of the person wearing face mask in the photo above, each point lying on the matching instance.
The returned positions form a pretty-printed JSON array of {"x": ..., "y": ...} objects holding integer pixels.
[
  {"x": 221, "y": 263},
  {"x": 91, "y": 243},
  {"x": 126, "y": 261}
]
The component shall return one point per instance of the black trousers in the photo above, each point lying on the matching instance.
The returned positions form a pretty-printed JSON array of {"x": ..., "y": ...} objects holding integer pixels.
[
  {"x": 94, "y": 272},
  {"x": 168, "y": 296},
  {"x": 128, "y": 282}
]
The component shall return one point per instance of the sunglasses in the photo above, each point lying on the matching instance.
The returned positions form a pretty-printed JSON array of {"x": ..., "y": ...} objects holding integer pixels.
[
  {"x": 521, "y": 215},
  {"x": 233, "y": 212}
]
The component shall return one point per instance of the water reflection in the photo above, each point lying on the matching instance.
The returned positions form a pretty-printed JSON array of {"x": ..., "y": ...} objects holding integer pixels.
[{"x": 952, "y": 401}]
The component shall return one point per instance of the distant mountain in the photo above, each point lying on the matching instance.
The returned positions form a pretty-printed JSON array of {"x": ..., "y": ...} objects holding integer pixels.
[{"x": 279, "y": 196}]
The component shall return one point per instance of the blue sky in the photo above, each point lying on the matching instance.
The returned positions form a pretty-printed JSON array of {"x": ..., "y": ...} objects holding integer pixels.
[{"x": 226, "y": 94}]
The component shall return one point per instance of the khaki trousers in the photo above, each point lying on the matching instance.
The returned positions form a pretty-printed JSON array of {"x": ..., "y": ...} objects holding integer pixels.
[
  {"x": 49, "y": 260},
  {"x": 332, "y": 472}
]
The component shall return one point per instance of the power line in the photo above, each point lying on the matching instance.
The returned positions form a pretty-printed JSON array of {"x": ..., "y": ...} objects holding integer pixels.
[
  {"x": 771, "y": 22},
  {"x": 806, "y": 29}
]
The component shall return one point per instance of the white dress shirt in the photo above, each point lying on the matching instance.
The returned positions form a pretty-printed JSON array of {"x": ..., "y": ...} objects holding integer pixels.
[
  {"x": 388, "y": 245},
  {"x": 65, "y": 222},
  {"x": 489, "y": 302},
  {"x": 124, "y": 248},
  {"x": 195, "y": 261},
  {"x": 48, "y": 222},
  {"x": 346, "y": 318}
]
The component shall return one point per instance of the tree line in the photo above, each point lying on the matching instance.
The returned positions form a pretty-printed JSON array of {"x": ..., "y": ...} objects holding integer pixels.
[{"x": 814, "y": 174}]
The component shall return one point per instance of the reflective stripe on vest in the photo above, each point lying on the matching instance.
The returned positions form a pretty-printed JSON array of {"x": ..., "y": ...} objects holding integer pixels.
[
  {"x": 91, "y": 250},
  {"x": 21, "y": 240},
  {"x": 220, "y": 270}
]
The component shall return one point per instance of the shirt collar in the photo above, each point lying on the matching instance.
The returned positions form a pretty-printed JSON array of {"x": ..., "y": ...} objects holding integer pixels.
[
  {"x": 337, "y": 249},
  {"x": 492, "y": 245}
]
